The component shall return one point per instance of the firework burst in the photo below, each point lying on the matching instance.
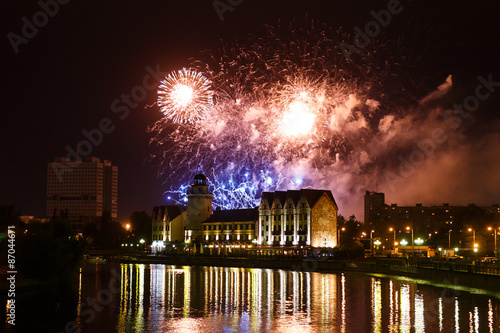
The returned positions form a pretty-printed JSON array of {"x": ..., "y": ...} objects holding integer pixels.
[
  {"x": 185, "y": 96},
  {"x": 288, "y": 111}
]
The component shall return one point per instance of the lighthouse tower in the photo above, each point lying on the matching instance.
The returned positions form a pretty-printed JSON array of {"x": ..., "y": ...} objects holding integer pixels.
[{"x": 199, "y": 207}]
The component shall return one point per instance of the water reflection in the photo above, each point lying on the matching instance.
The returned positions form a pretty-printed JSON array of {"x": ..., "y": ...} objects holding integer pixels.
[
  {"x": 160, "y": 298},
  {"x": 165, "y": 298}
]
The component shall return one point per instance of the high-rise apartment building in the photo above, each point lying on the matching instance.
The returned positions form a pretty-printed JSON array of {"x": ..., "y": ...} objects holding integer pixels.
[{"x": 84, "y": 190}]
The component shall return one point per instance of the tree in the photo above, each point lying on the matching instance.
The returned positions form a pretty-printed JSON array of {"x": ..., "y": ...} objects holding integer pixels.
[
  {"x": 49, "y": 251},
  {"x": 351, "y": 232},
  {"x": 141, "y": 224},
  {"x": 107, "y": 234},
  {"x": 9, "y": 215}
]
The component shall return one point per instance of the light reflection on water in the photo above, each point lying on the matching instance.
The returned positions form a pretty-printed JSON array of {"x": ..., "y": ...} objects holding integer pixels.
[{"x": 160, "y": 298}]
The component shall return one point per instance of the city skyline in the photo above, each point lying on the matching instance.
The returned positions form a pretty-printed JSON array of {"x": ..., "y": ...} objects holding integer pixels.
[{"x": 59, "y": 94}]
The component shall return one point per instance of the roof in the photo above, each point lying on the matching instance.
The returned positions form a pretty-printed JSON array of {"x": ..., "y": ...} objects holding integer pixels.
[
  {"x": 312, "y": 196},
  {"x": 234, "y": 215},
  {"x": 172, "y": 211}
]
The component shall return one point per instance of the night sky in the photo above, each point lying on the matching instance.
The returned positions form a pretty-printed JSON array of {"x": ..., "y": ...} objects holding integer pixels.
[{"x": 66, "y": 77}]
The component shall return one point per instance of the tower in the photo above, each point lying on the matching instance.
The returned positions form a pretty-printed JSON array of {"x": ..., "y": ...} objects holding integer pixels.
[{"x": 199, "y": 207}]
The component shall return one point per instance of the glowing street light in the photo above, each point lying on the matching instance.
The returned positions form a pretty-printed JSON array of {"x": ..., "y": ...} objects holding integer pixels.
[
  {"x": 371, "y": 241},
  {"x": 419, "y": 241},
  {"x": 404, "y": 242},
  {"x": 412, "y": 247},
  {"x": 495, "y": 236},
  {"x": 473, "y": 236},
  {"x": 340, "y": 234},
  {"x": 393, "y": 229}
]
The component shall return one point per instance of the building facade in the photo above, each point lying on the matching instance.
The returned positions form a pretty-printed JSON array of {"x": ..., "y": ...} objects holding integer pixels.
[
  {"x": 234, "y": 226},
  {"x": 426, "y": 221},
  {"x": 168, "y": 226},
  {"x": 298, "y": 218},
  {"x": 83, "y": 189}
]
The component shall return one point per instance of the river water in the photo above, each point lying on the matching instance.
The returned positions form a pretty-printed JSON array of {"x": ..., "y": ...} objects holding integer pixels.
[{"x": 161, "y": 298}]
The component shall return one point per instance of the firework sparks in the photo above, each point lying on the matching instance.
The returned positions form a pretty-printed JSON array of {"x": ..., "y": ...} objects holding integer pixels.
[
  {"x": 298, "y": 120},
  {"x": 288, "y": 104},
  {"x": 185, "y": 96}
]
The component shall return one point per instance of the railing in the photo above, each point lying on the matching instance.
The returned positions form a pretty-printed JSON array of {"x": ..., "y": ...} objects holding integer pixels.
[{"x": 479, "y": 268}]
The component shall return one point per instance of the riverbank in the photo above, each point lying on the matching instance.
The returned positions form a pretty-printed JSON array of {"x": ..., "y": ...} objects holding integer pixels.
[{"x": 446, "y": 273}]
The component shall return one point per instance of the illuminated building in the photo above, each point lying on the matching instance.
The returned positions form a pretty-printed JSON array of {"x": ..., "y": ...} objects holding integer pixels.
[
  {"x": 168, "y": 226},
  {"x": 84, "y": 189},
  {"x": 425, "y": 219},
  {"x": 234, "y": 226},
  {"x": 199, "y": 207},
  {"x": 304, "y": 217}
]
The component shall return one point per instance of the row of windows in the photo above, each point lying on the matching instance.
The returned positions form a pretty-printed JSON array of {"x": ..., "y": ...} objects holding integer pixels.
[
  {"x": 290, "y": 206},
  {"x": 157, "y": 237},
  {"x": 228, "y": 237},
  {"x": 247, "y": 226},
  {"x": 160, "y": 228},
  {"x": 289, "y": 217},
  {"x": 288, "y": 228}
]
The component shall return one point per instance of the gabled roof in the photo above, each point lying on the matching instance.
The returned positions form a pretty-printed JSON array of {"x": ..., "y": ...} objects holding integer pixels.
[
  {"x": 312, "y": 196},
  {"x": 295, "y": 196},
  {"x": 171, "y": 211},
  {"x": 269, "y": 196},
  {"x": 234, "y": 215},
  {"x": 281, "y": 197}
]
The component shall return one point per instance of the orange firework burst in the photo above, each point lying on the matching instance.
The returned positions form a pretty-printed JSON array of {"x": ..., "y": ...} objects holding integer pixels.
[{"x": 185, "y": 96}]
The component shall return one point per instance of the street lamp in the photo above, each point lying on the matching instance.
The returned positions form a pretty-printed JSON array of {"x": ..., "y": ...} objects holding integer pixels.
[
  {"x": 473, "y": 237},
  {"x": 340, "y": 234},
  {"x": 490, "y": 228},
  {"x": 403, "y": 242},
  {"x": 371, "y": 241},
  {"x": 393, "y": 229},
  {"x": 449, "y": 239},
  {"x": 377, "y": 243},
  {"x": 412, "y": 246}
]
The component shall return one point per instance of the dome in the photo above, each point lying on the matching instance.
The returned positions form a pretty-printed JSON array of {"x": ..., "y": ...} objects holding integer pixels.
[{"x": 200, "y": 179}]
